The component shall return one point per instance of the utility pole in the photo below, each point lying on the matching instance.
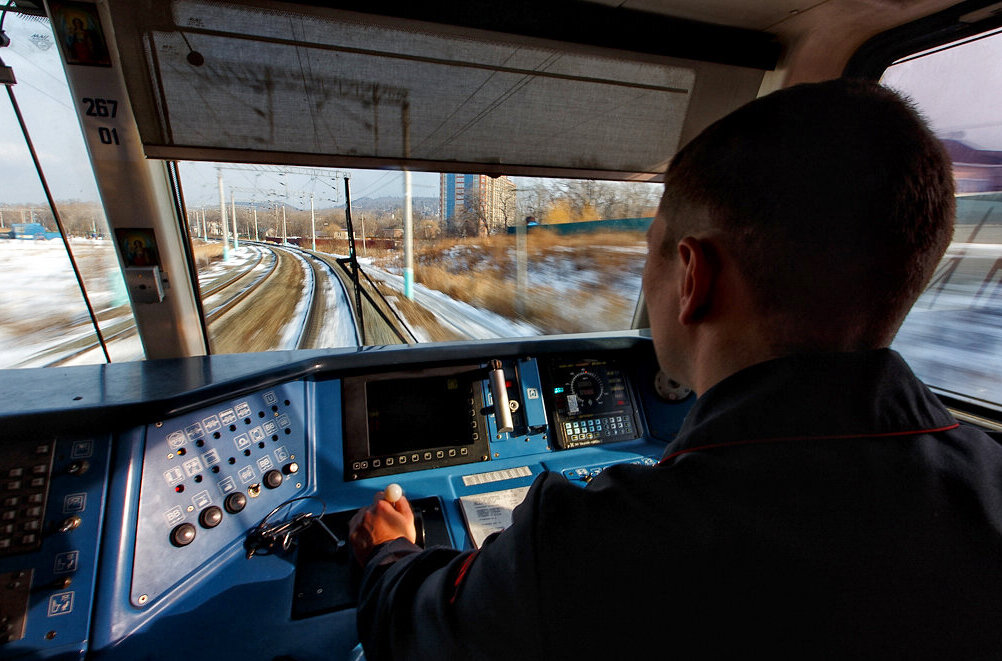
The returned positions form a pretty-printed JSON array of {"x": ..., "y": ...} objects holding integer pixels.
[
  {"x": 222, "y": 217},
  {"x": 521, "y": 261},
  {"x": 408, "y": 239},
  {"x": 313, "y": 223},
  {"x": 364, "y": 250},
  {"x": 255, "y": 223},
  {"x": 233, "y": 207},
  {"x": 205, "y": 230},
  {"x": 408, "y": 217},
  {"x": 285, "y": 236}
]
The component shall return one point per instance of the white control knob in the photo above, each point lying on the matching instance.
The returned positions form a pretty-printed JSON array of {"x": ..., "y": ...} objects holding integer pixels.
[{"x": 393, "y": 493}]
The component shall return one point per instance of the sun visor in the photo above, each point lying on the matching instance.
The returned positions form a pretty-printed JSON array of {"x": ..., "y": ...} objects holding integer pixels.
[{"x": 219, "y": 81}]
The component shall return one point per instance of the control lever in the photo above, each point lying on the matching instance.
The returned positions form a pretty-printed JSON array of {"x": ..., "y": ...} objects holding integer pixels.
[
  {"x": 502, "y": 413},
  {"x": 391, "y": 494}
]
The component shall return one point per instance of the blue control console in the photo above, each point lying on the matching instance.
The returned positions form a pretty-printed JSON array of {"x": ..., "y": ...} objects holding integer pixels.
[
  {"x": 52, "y": 493},
  {"x": 212, "y": 475},
  {"x": 114, "y": 542}
]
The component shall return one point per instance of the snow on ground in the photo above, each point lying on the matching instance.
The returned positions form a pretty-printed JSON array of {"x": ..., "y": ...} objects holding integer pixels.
[
  {"x": 220, "y": 271},
  {"x": 40, "y": 301},
  {"x": 128, "y": 345},
  {"x": 238, "y": 258},
  {"x": 339, "y": 325},
  {"x": 461, "y": 317},
  {"x": 953, "y": 340},
  {"x": 293, "y": 329}
]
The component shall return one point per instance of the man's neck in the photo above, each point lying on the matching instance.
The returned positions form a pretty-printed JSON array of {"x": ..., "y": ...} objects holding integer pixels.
[{"x": 721, "y": 352}]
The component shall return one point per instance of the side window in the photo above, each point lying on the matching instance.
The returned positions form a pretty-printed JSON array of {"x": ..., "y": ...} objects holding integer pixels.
[
  {"x": 43, "y": 317},
  {"x": 953, "y": 336}
]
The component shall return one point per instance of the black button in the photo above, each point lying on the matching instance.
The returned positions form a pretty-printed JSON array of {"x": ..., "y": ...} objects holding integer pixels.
[
  {"x": 273, "y": 479},
  {"x": 183, "y": 534},
  {"x": 210, "y": 517},
  {"x": 235, "y": 502}
]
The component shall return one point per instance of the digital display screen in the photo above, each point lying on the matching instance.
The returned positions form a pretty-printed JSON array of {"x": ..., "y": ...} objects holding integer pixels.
[{"x": 405, "y": 415}]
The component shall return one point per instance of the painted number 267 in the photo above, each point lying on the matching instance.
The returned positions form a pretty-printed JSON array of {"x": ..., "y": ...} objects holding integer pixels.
[{"x": 100, "y": 107}]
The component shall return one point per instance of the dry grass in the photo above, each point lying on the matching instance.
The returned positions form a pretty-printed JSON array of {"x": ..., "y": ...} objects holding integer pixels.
[
  {"x": 481, "y": 272},
  {"x": 206, "y": 253}
]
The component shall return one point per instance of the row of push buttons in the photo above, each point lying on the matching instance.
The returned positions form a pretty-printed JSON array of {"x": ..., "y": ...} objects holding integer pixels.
[
  {"x": 594, "y": 429},
  {"x": 21, "y": 516},
  {"x": 414, "y": 458}
]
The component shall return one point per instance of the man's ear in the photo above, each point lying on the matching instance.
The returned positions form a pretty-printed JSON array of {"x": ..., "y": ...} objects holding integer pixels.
[{"x": 700, "y": 268}]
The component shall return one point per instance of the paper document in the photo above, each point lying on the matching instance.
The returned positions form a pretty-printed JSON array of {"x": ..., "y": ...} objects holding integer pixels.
[{"x": 488, "y": 513}]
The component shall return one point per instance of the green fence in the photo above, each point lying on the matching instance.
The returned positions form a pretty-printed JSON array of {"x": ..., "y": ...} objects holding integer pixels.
[{"x": 589, "y": 226}]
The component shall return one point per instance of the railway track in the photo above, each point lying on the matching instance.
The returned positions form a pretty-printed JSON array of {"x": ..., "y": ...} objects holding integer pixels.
[
  {"x": 382, "y": 325},
  {"x": 255, "y": 282},
  {"x": 257, "y": 294},
  {"x": 126, "y": 328},
  {"x": 328, "y": 288}
]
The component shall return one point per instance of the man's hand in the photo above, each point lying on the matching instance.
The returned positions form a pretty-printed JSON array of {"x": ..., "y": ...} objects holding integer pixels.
[{"x": 380, "y": 522}]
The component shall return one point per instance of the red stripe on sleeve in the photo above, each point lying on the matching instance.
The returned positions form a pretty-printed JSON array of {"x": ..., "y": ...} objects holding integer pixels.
[{"x": 461, "y": 575}]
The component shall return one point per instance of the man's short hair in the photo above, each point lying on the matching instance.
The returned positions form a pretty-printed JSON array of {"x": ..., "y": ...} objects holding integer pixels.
[{"x": 836, "y": 201}]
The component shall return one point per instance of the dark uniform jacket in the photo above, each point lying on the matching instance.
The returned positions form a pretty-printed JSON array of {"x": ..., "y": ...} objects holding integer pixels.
[{"x": 816, "y": 506}]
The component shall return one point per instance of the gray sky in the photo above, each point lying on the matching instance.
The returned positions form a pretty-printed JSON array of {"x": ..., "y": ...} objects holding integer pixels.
[{"x": 958, "y": 90}]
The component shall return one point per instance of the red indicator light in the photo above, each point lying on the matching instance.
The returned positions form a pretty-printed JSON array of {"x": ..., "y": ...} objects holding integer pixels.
[
  {"x": 620, "y": 403},
  {"x": 507, "y": 384},
  {"x": 179, "y": 488}
]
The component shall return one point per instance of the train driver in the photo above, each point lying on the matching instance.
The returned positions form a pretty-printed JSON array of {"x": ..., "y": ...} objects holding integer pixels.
[{"x": 818, "y": 502}]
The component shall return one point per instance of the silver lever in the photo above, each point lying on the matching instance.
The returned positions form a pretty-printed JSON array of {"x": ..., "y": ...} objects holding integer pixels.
[{"x": 502, "y": 413}]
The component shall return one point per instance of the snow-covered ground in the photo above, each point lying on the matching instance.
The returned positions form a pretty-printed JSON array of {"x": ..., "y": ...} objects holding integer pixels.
[
  {"x": 339, "y": 325},
  {"x": 295, "y": 327},
  {"x": 471, "y": 322},
  {"x": 41, "y": 305}
]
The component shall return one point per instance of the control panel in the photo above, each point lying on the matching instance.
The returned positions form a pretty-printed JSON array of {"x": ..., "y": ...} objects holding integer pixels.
[
  {"x": 524, "y": 393},
  {"x": 399, "y": 422},
  {"x": 52, "y": 494},
  {"x": 170, "y": 506},
  {"x": 591, "y": 402},
  {"x": 212, "y": 475}
]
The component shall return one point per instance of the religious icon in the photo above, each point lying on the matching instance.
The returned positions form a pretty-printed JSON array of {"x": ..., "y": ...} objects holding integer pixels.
[
  {"x": 138, "y": 246},
  {"x": 78, "y": 28}
]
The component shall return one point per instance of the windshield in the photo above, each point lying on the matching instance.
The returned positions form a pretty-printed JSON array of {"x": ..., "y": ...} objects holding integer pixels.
[
  {"x": 51, "y": 307},
  {"x": 953, "y": 336},
  {"x": 490, "y": 256}
]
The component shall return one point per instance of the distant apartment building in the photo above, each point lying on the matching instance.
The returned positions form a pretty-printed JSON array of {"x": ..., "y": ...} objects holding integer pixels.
[{"x": 478, "y": 203}]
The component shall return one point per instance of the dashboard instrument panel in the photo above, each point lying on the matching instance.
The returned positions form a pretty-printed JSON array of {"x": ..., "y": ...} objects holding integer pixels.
[{"x": 224, "y": 484}]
